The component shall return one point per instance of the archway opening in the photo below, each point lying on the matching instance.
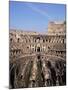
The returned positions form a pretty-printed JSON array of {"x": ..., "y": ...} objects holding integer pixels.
[
  {"x": 38, "y": 56},
  {"x": 38, "y": 49}
]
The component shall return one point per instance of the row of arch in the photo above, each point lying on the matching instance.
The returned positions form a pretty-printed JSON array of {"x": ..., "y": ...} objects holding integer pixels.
[{"x": 42, "y": 40}]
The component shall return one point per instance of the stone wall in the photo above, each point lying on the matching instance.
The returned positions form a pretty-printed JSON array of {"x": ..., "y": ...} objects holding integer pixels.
[
  {"x": 57, "y": 27},
  {"x": 29, "y": 44},
  {"x": 36, "y": 59}
]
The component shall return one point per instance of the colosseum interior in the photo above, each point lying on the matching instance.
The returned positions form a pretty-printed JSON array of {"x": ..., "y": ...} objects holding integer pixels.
[{"x": 37, "y": 59}]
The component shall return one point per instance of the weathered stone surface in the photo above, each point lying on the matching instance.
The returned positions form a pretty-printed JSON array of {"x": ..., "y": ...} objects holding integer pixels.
[{"x": 37, "y": 60}]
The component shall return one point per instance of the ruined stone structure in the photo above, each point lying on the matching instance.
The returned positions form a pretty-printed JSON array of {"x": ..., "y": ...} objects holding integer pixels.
[
  {"x": 36, "y": 59},
  {"x": 57, "y": 27}
]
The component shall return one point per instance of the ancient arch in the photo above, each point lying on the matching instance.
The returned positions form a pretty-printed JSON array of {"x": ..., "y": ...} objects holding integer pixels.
[{"x": 38, "y": 49}]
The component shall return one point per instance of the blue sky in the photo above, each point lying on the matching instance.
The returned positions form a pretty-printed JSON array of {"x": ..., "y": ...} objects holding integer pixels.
[{"x": 34, "y": 16}]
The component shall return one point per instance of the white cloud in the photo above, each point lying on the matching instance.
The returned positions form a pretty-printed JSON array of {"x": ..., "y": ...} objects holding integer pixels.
[{"x": 44, "y": 13}]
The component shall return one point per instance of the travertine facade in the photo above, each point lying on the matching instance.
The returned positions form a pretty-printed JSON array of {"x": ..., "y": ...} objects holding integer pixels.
[
  {"x": 33, "y": 55},
  {"x": 57, "y": 27}
]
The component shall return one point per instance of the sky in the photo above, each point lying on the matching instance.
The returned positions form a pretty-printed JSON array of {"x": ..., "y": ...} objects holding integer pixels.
[{"x": 29, "y": 16}]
